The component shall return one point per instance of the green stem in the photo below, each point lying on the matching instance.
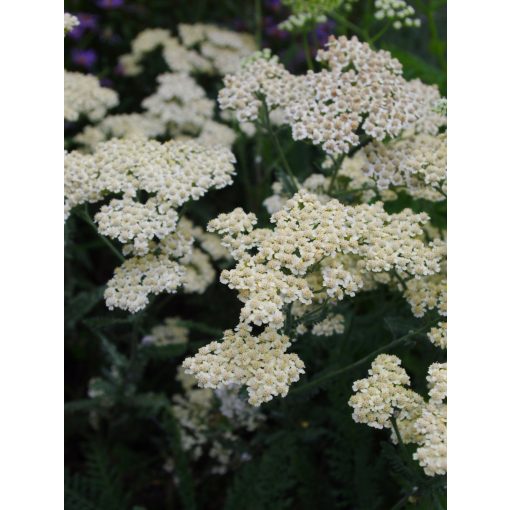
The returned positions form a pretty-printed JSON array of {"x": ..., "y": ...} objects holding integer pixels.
[
  {"x": 281, "y": 154},
  {"x": 258, "y": 23},
  {"x": 88, "y": 219},
  {"x": 381, "y": 32},
  {"x": 361, "y": 361},
  {"x": 336, "y": 168},
  {"x": 355, "y": 28},
  {"x": 308, "y": 54}
]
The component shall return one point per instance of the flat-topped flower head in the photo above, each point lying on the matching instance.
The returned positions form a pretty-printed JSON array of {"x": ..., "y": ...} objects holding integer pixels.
[{"x": 83, "y": 95}]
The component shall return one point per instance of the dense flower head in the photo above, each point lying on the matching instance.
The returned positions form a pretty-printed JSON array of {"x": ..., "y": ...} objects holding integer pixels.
[
  {"x": 259, "y": 362},
  {"x": 416, "y": 164},
  {"x": 311, "y": 236},
  {"x": 382, "y": 393},
  {"x": 173, "y": 172},
  {"x": 334, "y": 324},
  {"x": 139, "y": 277},
  {"x": 262, "y": 77},
  {"x": 399, "y": 11},
  {"x": 223, "y": 48},
  {"x": 361, "y": 92},
  {"x": 180, "y": 102},
  {"x": 437, "y": 335},
  {"x": 163, "y": 257},
  {"x": 385, "y": 396},
  {"x": 175, "y": 262},
  {"x": 300, "y": 22},
  {"x": 359, "y": 95},
  {"x": 204, "y": 49},
  {"x": 83, "y": 95},
  {"x": 169, "y": 332}
]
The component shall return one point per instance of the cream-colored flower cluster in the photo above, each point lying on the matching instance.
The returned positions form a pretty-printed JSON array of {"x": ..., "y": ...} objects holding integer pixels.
[
  {"x": 201, "y": 49},
  {"x": 70, "y": 22},
  {"x": 210, "y": 422},
  {"x": 361, "y": 91},
  {"x": 311, "y": 236},
  {"x": 170, "y": 174},
  {"x": 399, "y": 11},
  {"x": 180, "y": 102},
  {"x": 126, "y": 125},
  {"x": 359, "y": 95},
  {"x": 170, "y": 332},
  {"x": 416, "y": 164},
  {"x": 173, "y": 263},
  {"x": 83, "y": 95},
  {"x": 262, "y": 77},
  {"x": 318, "y": 251},
  {"x": 334, "y": 324},
  {"x": 384, "y": 396},
  {"x": 301, "y": 21},
  {"x": 177, "y": 57},
  {"x": 224, "y": 49},
  {"x": 437, "y": 335},
  {"x": 259, "y": 362},
  {"x": 182, "y": 107}
]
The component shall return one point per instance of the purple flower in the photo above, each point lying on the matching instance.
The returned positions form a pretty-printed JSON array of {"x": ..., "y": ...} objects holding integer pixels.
[
  {"x": 109, "y": 4},
  {"x": 323, "y": 31},
  {"x": 87, "y": 22},
  {"x": 84, "y": 58}
]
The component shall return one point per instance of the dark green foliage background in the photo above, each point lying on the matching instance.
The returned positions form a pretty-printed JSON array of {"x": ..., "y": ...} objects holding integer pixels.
[{"x": 309, "y": 454}]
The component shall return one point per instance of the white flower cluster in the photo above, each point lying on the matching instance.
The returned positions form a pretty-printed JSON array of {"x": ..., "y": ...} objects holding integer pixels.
[
  {"x": 427, "y": 294},
  {"x": 83, "y": 95},
  {"x": 437, "y": 335},
  {"x": 301, "y": 21},
  {"x": 224, "y": 49},
  {"x": 172, "y": 263},
  {"x": 178, "y": 58},
  {"x": 126, "y": 125},
  {"x": 259, "y": 362},
  {"x": 204, "y": 49},
  {"x": 173, "y": 172},
  {"x": 179, "y": 101},
  {"x": 170, "y": 332},
  {"x": 318, "y": 251},
  {"x": 211, "y": 422},
  {"x": 261, "y": 76},
  {"x": 399, "y": 11},
  {"x": 361, "y": 94},
  {"x": 182, "y": 106},
  {"x": 70, "y": 22},
  {"x": 169, "y": 174},
  {"x": 311, "y": 236},
  {"x": 416, "y": 163},
  {"x": 385, "y": 396},
  {"x": 331, "y": 325}
]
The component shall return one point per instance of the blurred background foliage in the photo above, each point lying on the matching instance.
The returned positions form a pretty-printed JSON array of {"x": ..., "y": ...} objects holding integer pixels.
[{"x": 309, "y": 454}]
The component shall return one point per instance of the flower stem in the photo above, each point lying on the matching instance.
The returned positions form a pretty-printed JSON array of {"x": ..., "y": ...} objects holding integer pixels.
[
  {"x": 361, "y": 361},
  {"x": 86, "y": 217},
  {"x": 281, "y": 154}
]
